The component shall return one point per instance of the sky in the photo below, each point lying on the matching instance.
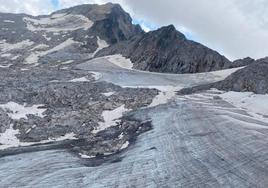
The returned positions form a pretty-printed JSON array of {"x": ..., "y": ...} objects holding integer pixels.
[{"x": 235, "y": 28}]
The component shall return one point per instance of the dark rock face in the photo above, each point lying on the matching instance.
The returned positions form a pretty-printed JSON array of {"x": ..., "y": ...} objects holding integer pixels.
[
  {"x": 111, "y": 22},
  {"x": 167, "y": 50},
  {"x": 253, "y": 78}
]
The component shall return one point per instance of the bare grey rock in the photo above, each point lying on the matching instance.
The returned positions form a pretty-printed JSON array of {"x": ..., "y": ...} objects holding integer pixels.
[
  {"x": 240, "y": 63},
  {"x": 253, "y": 78}
]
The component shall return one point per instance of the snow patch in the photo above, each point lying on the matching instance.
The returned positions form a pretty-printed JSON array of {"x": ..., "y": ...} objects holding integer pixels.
[
  {"x": 253, "y": 103},
  {"x": 6, "y": 55},
  {"x": 225, "y": 73},
  {"x": 162, "y": 98},
  {"x": 15, "y": 57},
  {"x": 58, "y": 23},
  {"x": 8, "y": 139},
  {"x": 111, "y": 118},
  {"x": 125, "y": 145},
  {"x": 101, "y": 44},
  {"x": 82, "y": 79},
  {"x": 9, "y": 21},
  {"x": 108, "y": 94},
  {"x": 120, "y": 61},
  {"x": 40, "y": 47},
  {"x": 96, "y": 75},
  {"x": 5, "y": 47},
  {"x": 17, "y": 111},
  {"x": 5, "y": 66},
  {"x": 67, "y": 62},
  {"x": 34, "y": 57},
  {"x": 83, "y": 156}
]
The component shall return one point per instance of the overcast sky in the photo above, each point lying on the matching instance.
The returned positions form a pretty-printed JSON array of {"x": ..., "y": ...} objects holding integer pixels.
[{"x": 235, "y": 28}]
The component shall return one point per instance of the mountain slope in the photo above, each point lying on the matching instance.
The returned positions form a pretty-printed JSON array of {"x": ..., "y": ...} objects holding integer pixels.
[
  {"x": 168, "y": 50},
  {"x": 81, "y": 31}
]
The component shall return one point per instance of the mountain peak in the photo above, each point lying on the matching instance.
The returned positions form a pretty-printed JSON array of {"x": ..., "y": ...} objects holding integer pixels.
[{"x": 169, "y": 31}]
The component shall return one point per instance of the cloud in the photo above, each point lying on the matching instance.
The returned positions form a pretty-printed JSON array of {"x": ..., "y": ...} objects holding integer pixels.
[
  {"x": 236, "y": 28},
  {"x": 33, "y": 7}
]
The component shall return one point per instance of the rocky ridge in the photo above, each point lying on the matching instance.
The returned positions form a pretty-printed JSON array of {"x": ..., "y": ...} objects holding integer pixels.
[{"x": 169, "y": 51}]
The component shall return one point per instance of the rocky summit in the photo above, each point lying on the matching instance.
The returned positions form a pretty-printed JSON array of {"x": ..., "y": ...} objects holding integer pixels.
[{"x": 87, "y": 99}]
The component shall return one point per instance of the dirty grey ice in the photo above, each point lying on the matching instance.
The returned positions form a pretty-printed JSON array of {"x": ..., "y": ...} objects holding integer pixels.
[{"x": 79, "y": 107}]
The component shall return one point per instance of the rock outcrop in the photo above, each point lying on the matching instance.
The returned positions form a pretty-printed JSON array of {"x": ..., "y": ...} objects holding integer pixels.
[
  {"x": 240, "y": 63},
  {"x": 253, "y": 78}
]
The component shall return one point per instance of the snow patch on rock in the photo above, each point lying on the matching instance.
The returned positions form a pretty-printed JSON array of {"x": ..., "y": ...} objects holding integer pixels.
[
  {"x": 101, "y": 44},
  {"x": 58, "y": 23},
  {"x": 17, "y": 111},
  {"x": 9, "y": 21},
  {"x": 111, "y": 118},
  {"x": 9, "y": 139},
  {"x": 83, "y": 156},
  {"x": 82, "y": 79},
  {"x": 120, "y": 61},
  {"x": 6, "y": 47},
  {"x": 34, "y": 57},
  {"x": 108, "y": 94},
  {"x": 222, "y": 74},
  {"x": 254, "y": 103},
  {"x": 5, "y": 66},
  {"x": 125, "y": 145},
  {"x": 96, "y": 75}
]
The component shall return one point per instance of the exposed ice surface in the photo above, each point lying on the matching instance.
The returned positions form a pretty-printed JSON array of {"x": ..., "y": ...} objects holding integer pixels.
[
  {"x": 111, "y": 118},
  {"x": 17, "y": 111},
  {"x": 58, "y": 23}
]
